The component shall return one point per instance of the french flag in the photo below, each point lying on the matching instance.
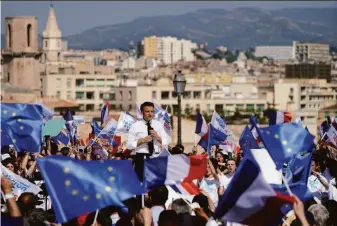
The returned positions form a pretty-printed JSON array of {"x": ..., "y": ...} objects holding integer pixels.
[
  {"x": 105, "y": 113},
  {"x": 173, "y": 170},
  {"x": 186, "y": 188},
  {"x": 279, "y": 117},
  {"x": 201, "y": 129},
  {"x": 249, "y": 199}
]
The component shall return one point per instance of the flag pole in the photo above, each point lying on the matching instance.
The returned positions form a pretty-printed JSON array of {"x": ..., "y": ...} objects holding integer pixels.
[
  {"x": 287, "y": 185},
  {"x": 95, "y": 219}
]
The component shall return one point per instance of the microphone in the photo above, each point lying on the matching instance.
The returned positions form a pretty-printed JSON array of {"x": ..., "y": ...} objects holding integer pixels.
[{"x": 150, "y": 144}]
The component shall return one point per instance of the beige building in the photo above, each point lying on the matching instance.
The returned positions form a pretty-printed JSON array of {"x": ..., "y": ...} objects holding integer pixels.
[
  {"x": 311, "y": 51},
  {"x": 225, "y": 98},
  {"x": 21, "y": 54},
  {"x": 305, "y": 98}
]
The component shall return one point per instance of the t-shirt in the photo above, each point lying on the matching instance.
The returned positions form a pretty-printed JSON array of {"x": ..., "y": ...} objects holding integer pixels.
[
  {"x": 316, "y": 187},
  {"x": 225, "y": 180},
  {"x": 210, "y": 186}
]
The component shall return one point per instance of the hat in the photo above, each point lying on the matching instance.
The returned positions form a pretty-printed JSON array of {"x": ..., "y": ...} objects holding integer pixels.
[{"x": 5, "y": 156}]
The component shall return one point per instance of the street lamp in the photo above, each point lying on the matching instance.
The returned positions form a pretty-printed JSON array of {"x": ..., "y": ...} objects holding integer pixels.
[{"x": 179, "y": 83}]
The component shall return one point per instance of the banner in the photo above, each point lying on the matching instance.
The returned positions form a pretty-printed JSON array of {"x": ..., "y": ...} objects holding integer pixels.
[{"x": 20, "y": 185}]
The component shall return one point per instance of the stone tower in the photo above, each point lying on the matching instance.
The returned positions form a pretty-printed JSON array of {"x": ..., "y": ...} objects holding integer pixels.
[
  {"x": 21, "y": 54},
  {"x": 52, "y": 39}
]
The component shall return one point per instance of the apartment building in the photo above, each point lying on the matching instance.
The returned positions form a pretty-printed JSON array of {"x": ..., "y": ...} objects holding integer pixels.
[
  {"x": 274, "y": 52},
  {"x": 150, "y": 46},
  {"x": 206, "y": 99},
  {"x": 305, "y": 97},
  {"x": 305, "y": 51},
  {"x": 169, "y": 49}
]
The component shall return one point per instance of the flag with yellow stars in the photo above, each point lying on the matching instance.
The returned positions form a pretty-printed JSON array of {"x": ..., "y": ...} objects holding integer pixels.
[
  {"x": 21, "y": 126},
  {"x": 284, "y": 141},
  {"x": 77, "y": 187}
]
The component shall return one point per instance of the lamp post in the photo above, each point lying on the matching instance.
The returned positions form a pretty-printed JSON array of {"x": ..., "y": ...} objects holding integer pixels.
[{"x": 179, "y": 83}]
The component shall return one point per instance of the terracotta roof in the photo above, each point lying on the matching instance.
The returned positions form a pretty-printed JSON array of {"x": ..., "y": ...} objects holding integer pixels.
[{"x": 59, "y": 103}]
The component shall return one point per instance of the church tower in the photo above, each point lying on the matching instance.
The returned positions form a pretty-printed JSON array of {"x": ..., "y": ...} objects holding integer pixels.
[
  {"x": 52, "y": 39},
  {"x": 21, "y": 54}
]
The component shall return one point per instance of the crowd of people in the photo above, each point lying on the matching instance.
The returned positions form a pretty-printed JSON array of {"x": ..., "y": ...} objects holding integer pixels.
[{"x": 158, "y": 209}]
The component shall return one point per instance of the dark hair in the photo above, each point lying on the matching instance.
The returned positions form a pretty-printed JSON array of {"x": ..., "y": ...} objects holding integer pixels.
[
  {"x": 146, "y": 104},
  {"x": 232, "y": 159},
  {"x": 65, "y": 151},
  {"x": 168, "y": 217},
  {"x": 178, "y": 149},
  {"x": 37, "y": 217},
  {"x": 159, "y": 195},
  {"x": 102, "y": 219},
  {"x": 214, "y": 162},
  {"x": 27, "y": 202}
]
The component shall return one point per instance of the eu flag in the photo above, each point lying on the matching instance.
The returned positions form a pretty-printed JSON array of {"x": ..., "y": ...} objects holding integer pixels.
[
  {"x": 299, "y": 168},
  {"x": 77, "y": 187},
  {"x": 61, "y": 138},
  {"x": 21, "y": 126},
  {"x": 216, "y": 137},
  {"x": 247, "y": 140},
  {"x": 285, "y": 141}
]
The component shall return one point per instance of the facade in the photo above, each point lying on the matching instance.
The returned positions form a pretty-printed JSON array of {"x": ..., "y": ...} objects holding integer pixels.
[
  {"x": 227, "y": 98},
  {"x": 305, "y": 51},
  {"x": 274, "y": 52},
  {"x": 169, "y": 50},
  {"x": 21, "y": 55},
  {"x": 150, "y": 46},
  {"x": 305, "y": 97},
  {"x": 308, "y": 71}
]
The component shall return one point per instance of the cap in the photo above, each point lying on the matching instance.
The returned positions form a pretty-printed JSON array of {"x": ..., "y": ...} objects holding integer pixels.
[{"x": 5, "y": 156}]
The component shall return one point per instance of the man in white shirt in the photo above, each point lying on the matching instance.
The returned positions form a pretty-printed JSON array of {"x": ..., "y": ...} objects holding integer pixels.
[
  {"x": 146, "y": 137},
  {"x": 226, "y": 179}
]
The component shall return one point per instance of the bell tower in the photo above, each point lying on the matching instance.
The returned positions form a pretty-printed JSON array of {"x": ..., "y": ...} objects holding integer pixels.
[
  {"x": 21, "y": 54},
  {"x": 52, "y": 39}
]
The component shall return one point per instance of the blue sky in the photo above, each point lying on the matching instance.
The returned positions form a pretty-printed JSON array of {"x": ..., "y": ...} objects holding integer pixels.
[{"x": 76, "y": 16}]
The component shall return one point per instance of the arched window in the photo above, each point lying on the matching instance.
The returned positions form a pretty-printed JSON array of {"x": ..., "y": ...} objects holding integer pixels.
[
  {"x": 9, "y": 36},
  {"x": 29, "y": 28}
]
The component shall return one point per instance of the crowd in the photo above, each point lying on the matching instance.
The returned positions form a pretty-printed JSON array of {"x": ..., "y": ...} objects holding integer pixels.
[{"x": 159, "y": 207}]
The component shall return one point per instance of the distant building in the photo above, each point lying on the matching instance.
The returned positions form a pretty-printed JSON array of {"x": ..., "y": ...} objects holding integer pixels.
[
  {"x": 305, "y": 51},
  {"x": 274, "y": 52},
  {"x": 169, "y": 49},
  {"x": 308, "y": 71}
]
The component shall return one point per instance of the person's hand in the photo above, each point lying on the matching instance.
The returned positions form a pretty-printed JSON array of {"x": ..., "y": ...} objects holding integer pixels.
[
  {"x": 298, "y": 207},
  {"x": 147, "y": 139},
  {"x": 200, "y": 212},
  {"x": 154, "y": 134},
  {"x": 146, "y": 216},
  {"x": 6, "y": 185}
]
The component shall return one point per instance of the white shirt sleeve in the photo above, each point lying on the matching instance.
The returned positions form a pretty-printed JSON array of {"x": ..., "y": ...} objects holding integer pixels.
[
  {"x": 132, "y": 139},
  {"x": 332, "y": 190}
]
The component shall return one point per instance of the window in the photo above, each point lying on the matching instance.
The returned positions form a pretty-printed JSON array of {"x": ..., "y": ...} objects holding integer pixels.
[
  {"x": 197, "y": 95},
  {"x": 197, "y": 107},
  {"x": 79, "y": 95},
  {"x": 58, "y": 94},
  {"x": 58, "y": 82},
  {"x": 208, "y": 108},
  {"x": 130, "y": 95},
  {"x": 79, "y": 82},
  {"x": 120, "y": 95},
  {"x": 69, "y": 95},
  {"x": 29, "y": 27},
  {"x": 9, "y": 35},
  {"x": 90, "y": 95},
  {"x": 68, "y": 83},
  {"x": 187, "y": 95},
  {"x": 90, "y": 83},
  {"x": 112, "y": 96},
  {"x": 250, "y": 107},
  {"x": 45, "y": 43},
  {"x": 260, "y": 107},
  {"x": 101, "y": 96},
  {"x": 165, "y": 95},
  {"x": 100, "y": 82},
  {"x": 219, "y": 108},
  {"x": 154, "y": 94},
  {"x": 239, "y": 106}
]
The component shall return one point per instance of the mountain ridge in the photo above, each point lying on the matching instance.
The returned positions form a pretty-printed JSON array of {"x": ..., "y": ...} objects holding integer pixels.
[{"x": 240, "y": 28}]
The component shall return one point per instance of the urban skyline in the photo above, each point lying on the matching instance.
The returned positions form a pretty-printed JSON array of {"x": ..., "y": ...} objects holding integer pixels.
[{"x": 92, "y": 14}]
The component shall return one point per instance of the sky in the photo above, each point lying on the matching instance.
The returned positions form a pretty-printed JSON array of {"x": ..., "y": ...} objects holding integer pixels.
[{"x": 75, "y": 16}]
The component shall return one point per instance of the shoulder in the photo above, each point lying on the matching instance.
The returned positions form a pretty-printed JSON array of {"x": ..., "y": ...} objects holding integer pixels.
[{"x": 156, "y": 123}]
